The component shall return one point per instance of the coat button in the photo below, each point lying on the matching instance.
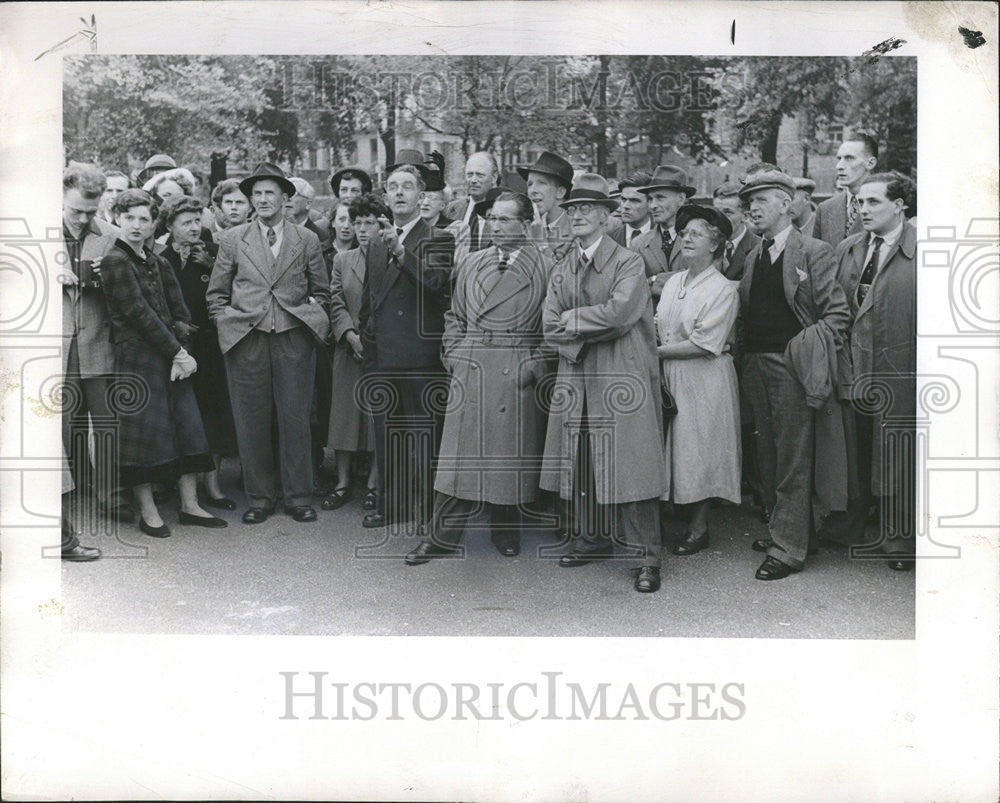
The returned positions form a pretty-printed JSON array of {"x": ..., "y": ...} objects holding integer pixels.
[
  {"x": 399, "y": 312},
  {"x": 503, "y": 409},
  {"x": 506, "y": 371}
]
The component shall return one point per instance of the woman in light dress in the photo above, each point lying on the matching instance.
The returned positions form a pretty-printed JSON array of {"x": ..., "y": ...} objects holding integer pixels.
[{"x": 695, "y": 323}]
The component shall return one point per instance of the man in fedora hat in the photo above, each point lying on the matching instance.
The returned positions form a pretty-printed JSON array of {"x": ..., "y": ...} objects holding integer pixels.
[
  {"x": 794, "y": 340},
  {"x": 549, "y": 181},
  {"x": 349, "y": 183},
  {"x": 603, "y": 446},
  {"x": 660, "y": 248},
  {"x": 269, "y": 296},
  {"x": 481, "y": 174}
]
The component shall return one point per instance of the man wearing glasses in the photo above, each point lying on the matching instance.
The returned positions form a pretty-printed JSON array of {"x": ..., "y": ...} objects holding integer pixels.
[
  {"x": 603, "y": 447},
  {"x": 493, "y": 349}
]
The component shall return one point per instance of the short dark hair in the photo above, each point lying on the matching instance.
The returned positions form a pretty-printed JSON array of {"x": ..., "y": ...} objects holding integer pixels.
[
  {"x": 87, "y": 179},
  {"x": 525, "y": 211},
  {"x": 867, "y": 139},
  {"x": 177, "y": 206},
  {"x": 414, "y": 171},
  {"x": 897, "y": 187},
  {"x": 367, "y": 204},
  {"x": 640, "y": 178},
  {"x": 224, "y": 188},
  {"x": 132, "y": 198}
]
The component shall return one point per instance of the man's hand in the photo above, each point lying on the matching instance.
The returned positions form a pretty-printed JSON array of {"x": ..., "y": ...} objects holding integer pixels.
[
  {"x": 656, "y": 283},
  {"x": 66, "y": 276},
  {"x": 183, "y": 366},
  {"x": 391, "y": 238},
  {"x": 354, "y": 341}
]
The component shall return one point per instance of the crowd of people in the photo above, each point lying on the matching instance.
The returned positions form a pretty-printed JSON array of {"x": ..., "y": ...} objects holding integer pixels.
[{"x": 562, "y": 351}]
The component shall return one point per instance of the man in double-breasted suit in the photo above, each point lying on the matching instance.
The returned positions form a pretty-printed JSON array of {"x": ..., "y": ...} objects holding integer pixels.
[
  {"x": 839, "y": 216},
  {"x": 87, "y": 357},
  {"x": 795, "y": 322},
  {"x": 269, "y": 297},
  {"x": 660, "y": 248},
  {"x": 604, "y": 443},
  {"x": 406, "y": 292},
  {"x": 877, "y": 270},
  {"x": 492, "y": 437}
]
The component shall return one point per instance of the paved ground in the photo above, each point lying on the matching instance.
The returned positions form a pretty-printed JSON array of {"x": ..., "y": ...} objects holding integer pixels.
[{"x": 333, "y": 577}]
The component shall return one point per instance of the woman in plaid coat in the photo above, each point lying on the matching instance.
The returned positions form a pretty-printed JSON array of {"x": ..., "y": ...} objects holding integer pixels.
[{"x": 160, "y": 435}]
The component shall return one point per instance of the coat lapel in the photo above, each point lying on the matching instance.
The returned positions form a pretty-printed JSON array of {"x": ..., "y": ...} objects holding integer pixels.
[
  {"x": 510, "y": 283},
  {"x": 291, "y": 247},
  {"x": 791, "y": 266},
  {"x": 254, "y": 249}
]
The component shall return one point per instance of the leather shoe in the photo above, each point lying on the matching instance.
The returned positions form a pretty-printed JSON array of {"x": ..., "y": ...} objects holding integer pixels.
[
  {"x": 374, "y": 520},
  {"x": 426, "y": 551},
  {"x": 774, "y": 569},
  {"x": 157, "y": 532},
  {"x": 648, "y": 580},
  {"x": 692, "y": 544},
  {"x": 201, "y": 521},
  {"x": 509, "y": 547},
  {"x": 301, "y": 513},
  {"x": 80, "y": 554},
  {"x": 257, "y": 515},
  {"x": 764, "y": 544},
  {"x": 901, "y": 564},
  {"x": 581, "y": 557}
]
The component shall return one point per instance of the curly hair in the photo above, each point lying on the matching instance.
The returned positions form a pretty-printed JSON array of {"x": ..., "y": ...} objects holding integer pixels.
[
  {"x": 367, "y": 204},
  {"x": 87, "y": 179},
  {"x": 177, "y": 206}
]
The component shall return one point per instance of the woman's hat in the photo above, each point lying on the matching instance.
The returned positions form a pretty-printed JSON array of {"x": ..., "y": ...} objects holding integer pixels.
[
  {"x": 350, "y": 172},
  {"x": 156, "y": 163},
  {"x": 669, "y": 177},
  {"x": 709, "y": 214},
  {"x": 550, "y": 164},
  {"x": 266, "y": 170},
  {"x": 590, "y": 188}
]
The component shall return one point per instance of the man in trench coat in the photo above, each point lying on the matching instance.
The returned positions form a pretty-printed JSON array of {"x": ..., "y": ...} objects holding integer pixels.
[
  {"x": 604, "y": 443},
  {"x": 877, "y": 270},
  {"x": 492, "y": 439}
]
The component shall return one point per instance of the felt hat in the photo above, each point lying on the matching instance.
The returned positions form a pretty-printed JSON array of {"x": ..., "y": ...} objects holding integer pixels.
[
  {"x": 550, "y": 164},
  {"x": 590, "y": 188},
  {"x": 709, "y": 214},
  {"x": 266, "y": 170},
  {"x": 350, "y": 172},
  {"x": 768, "y": 180},
  {"x": 669, "y": 177}
]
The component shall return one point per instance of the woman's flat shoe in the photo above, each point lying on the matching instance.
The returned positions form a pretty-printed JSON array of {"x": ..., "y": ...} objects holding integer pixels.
[
  {"x": 692, "y": 544},
  {"x": 220, "y": 503},
  {"x": 337, "y": 498},
  {"x": 201, "y": 521},
  {"x": 163, "y": 531},
  {"x": 371, "y": 499}
]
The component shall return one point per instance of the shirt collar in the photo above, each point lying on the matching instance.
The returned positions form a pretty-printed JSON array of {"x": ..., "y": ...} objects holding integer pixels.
[
  {"x": 781, "y": 238},
  {"x": 589, "y": 252},
  {"x": 557, "y": 222},
  {"x": 737, "y": 240},
  {"x": 891, "y": 237},
  {"x": 278, "y": 227},
  {"x": 640, "y": 229},
  {"x": 408, "y": 228},
  {"x": 511, "y": 255}
]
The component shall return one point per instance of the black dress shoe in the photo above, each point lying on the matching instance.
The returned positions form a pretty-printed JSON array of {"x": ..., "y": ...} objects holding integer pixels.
[
  {"x": 201, "y": 521},
  {"x": 257, "y": 515},
  {"x": 581, "y": 557},
  {"x": 371, "y": 499},
  {"x": 898, "y": 564},
  {"x": 301, "y": 513},
  {"x": 774, "y": 569},
  {"x": 374, "y": 520},
  {"x": 508, "y": 547},
  {"x": 764, "y": 544},
  {"x": 426, "y": 551},
  {"x": 80, "y": 554},
  {"x": 157, "y": 532},
  {"x": 648, "y": 580},
  {"x": 692, "y": 544},
  {"x": 220, "y": 503},
  {"x": 337, "y": 498}
]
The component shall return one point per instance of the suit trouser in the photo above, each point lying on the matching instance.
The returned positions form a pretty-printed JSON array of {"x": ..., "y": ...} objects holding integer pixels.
[
  {"x": 785, "y": 444},
  {"x": 407, "y": 436},
  {"x": 88, "y": 404},
  {"x": 897, "y": 504},
  {"x": 633, "y": 525},
  {"x": 272, "y": 374},
  {"x": 451, "y": 514}
]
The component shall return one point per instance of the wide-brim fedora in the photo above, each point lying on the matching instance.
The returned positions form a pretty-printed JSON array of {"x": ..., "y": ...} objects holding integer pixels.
[
  {"x": 350, "y": 172},
  {"x": 408, "y": 156},
  {"x": 669, "y": 177},
  {"x": 709, "y": 214},
  {"x": 590, "y": 188},
  {"x": 156, "y": 163},
  {"x": 266, "y": 170},
  {"x": 550, "y": 164}
]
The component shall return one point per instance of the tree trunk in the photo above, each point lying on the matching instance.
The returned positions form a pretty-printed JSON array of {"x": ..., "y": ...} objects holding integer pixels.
[
  {"x": 388, "y": 136},
  {"x": 769, "y": 142},
  {"x": 602, "y": 138}
]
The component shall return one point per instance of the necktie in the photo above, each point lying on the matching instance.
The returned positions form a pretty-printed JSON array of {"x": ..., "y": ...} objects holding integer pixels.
[
  {"x": 765, "y": 254},
  {"x": 584, "y": 262},
  {"x": 852, "y": 214},
  {"x": 399, "y": 232},
  {"x": 474, "y": 232},
  {"x": 502, "y": 264},
  {"x": 632, "y": 234},
  {"x": 868, "y": 274},
  {"x": 666, "y": 242},
  {"x": 730, "y": 250},
  {"x": 272, "y": 238}
]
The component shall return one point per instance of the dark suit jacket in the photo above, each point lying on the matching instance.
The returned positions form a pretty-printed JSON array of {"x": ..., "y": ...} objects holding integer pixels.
[
  {"x": 650, "y": 247},
  {"x": 243, "y": 286},
  {"x": 403, "y": 302},
  {"x": 831, "y": 218},
  {"x": 618, "y": 235},
  {"x": 456, "y": 210},
  {"x": 84, "y": 310},
  {"x": 734, "y": 270}
]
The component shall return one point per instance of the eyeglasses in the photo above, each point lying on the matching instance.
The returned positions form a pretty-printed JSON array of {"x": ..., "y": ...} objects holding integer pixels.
[{"x": 582, "y": 209}]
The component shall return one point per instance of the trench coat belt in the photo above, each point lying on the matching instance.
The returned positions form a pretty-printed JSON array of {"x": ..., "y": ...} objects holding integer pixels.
[{"x": 481, "y": 337}]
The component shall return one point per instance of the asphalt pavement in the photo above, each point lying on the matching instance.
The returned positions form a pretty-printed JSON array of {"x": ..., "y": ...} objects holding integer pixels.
[{"x": 333, "y": 577}]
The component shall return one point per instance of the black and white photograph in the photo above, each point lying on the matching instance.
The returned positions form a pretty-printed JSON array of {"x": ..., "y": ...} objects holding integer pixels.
[{"x": 468, "y": 400}]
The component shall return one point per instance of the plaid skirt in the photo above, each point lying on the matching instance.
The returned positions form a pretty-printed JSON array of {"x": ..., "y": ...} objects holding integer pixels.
[{"x": 160, "y": 434}]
